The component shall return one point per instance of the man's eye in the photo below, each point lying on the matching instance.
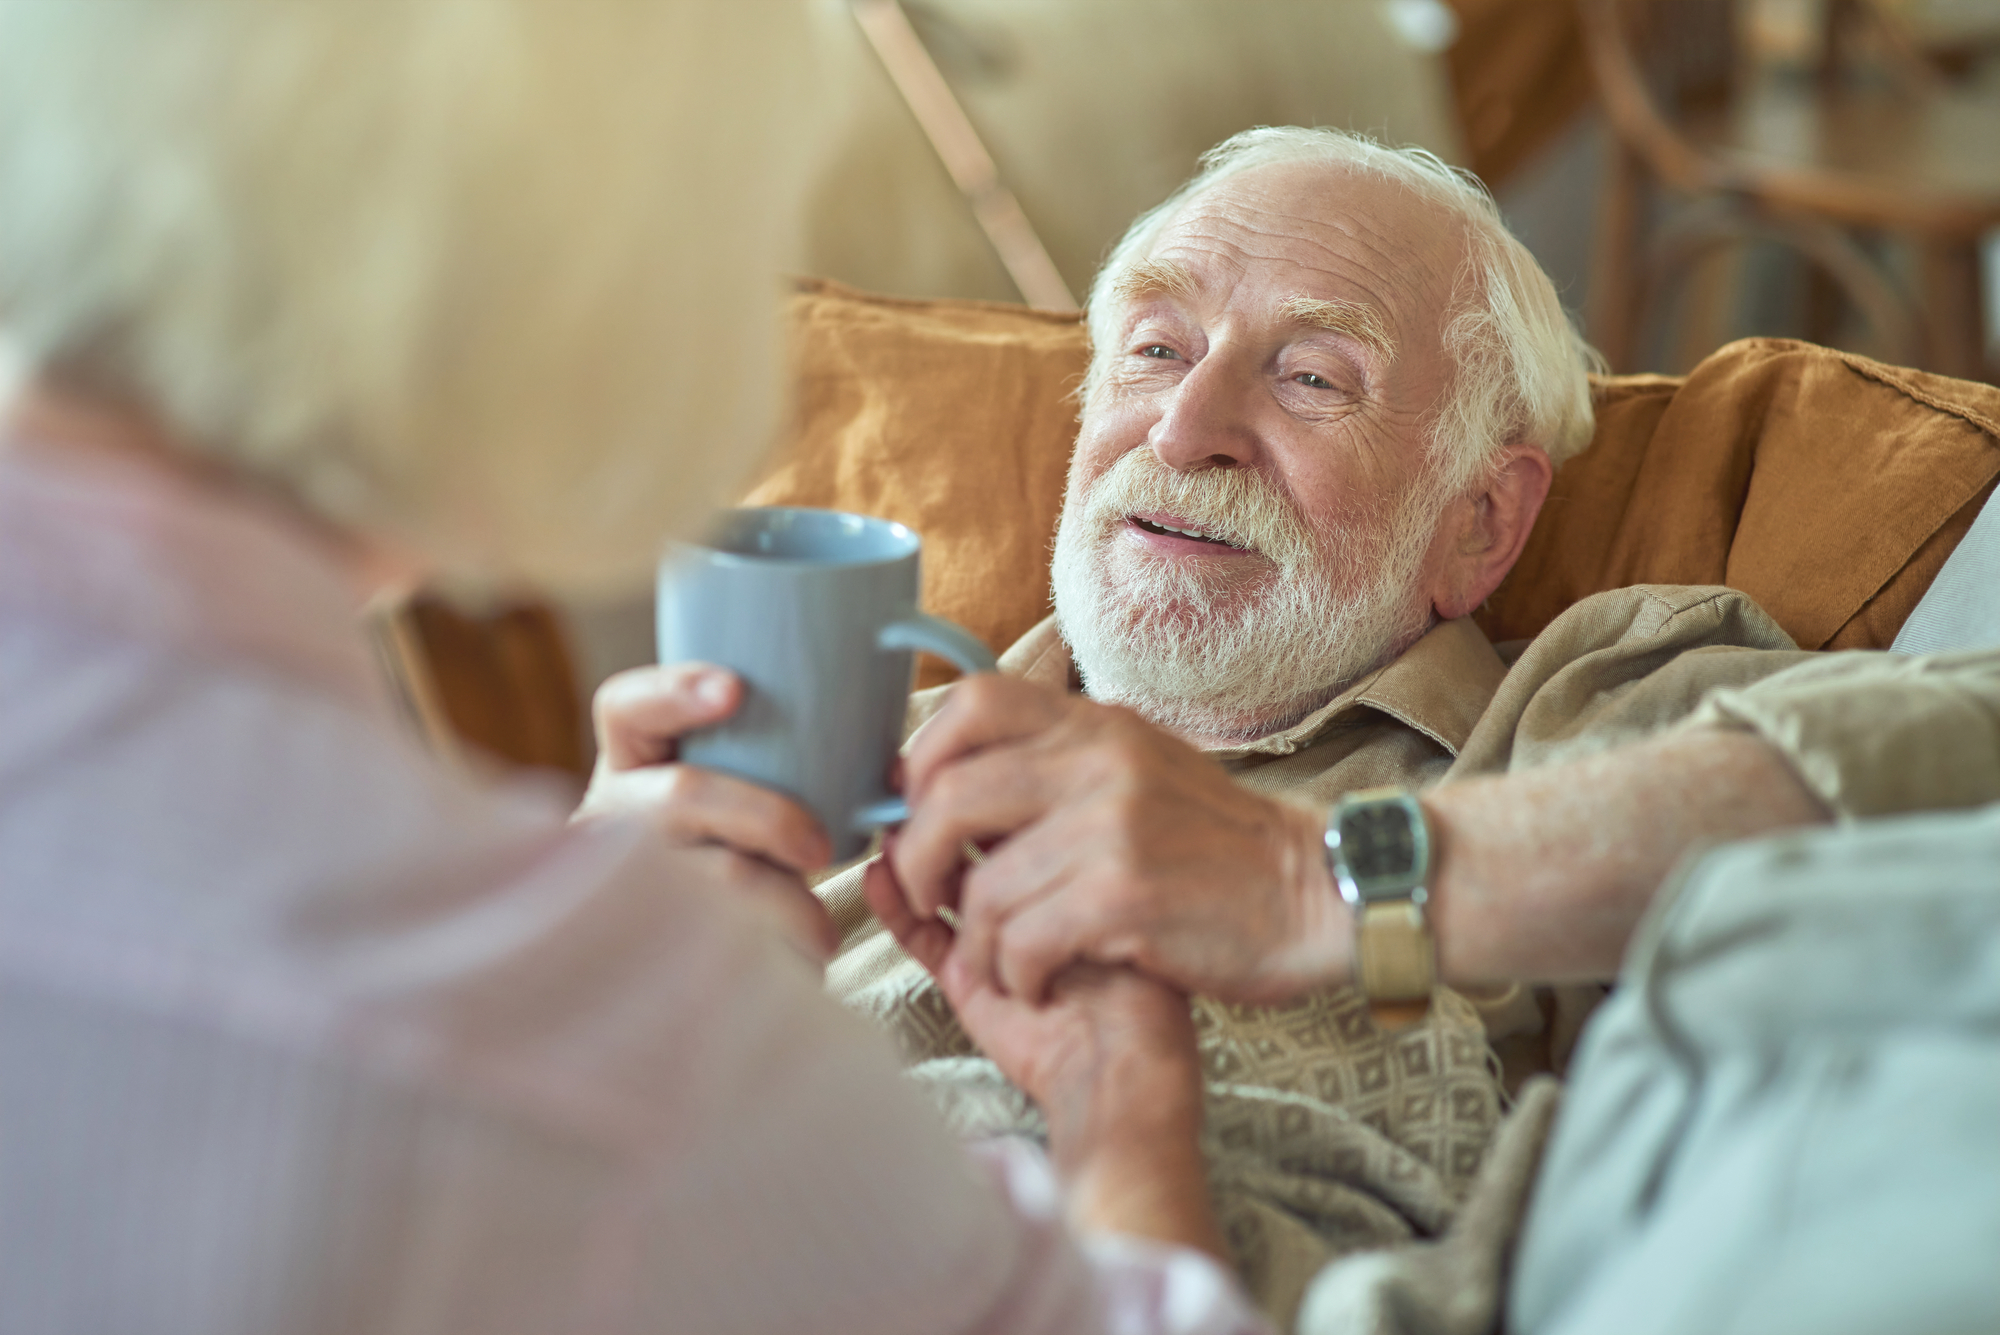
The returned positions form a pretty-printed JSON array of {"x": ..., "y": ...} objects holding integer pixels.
[
  {"x": 1160, "y": 350},
  {"x": 1315, "y": 381}
]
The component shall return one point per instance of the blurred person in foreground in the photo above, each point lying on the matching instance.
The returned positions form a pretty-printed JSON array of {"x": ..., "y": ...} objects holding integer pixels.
[{"x": 299, "y": 1031}]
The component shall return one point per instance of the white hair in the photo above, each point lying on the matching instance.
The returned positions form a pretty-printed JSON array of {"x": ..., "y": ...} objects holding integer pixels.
[
  {"x": 494, "y": 276},
  {"x": 1521, "y": 368}
]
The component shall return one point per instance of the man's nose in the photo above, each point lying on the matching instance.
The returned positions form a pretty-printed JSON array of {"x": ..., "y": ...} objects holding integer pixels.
[{"x": 1207, "y": 421}]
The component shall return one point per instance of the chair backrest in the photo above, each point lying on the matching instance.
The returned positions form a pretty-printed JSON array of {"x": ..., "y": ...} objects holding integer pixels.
[
  {"x": 1653, "y": 61},
  {"x": 498, "y": 684},
  {"x": 1687, "y": 49}
]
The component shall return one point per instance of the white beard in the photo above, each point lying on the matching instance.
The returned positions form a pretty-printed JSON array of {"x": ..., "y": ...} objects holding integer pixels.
[{"x": 1240, "y": 647}]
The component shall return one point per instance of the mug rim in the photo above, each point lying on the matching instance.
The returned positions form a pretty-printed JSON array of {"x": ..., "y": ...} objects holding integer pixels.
[{"x": 895, "y": 529}]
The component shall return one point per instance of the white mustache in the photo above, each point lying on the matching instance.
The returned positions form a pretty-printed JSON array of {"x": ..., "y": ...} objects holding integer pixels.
[{"x": 1237, "y": 505}]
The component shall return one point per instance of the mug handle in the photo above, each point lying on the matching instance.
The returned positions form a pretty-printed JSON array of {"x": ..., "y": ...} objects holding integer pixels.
[{"x": 935, "y": 635}]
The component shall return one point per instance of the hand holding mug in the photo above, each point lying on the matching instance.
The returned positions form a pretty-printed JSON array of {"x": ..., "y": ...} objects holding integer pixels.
[
  {"x": 815, "y": 611},
  {"x": 762, "y": 840},
  {"x": 770, "y": 732}
]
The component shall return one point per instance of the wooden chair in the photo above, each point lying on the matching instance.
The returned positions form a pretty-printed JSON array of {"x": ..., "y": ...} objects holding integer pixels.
[
  {"x": 498, "y": 685},
  {"x": 1821, "y": 159}
]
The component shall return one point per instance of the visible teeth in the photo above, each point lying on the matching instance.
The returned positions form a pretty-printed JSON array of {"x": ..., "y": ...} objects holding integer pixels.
[{"x": 1184, "y": 532}]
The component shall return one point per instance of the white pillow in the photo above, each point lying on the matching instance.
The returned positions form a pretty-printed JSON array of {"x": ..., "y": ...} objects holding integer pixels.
[{"x": 1961, "y": 609}]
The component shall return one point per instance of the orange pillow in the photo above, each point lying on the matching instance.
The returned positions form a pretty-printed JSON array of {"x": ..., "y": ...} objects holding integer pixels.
[
  {"x": 954, "y": 417},
  {"x": 1828, "y": 487}
]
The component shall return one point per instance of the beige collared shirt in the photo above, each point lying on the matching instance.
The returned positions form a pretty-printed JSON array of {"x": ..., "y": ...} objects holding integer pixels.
[{"x": 1869, "y": 734}]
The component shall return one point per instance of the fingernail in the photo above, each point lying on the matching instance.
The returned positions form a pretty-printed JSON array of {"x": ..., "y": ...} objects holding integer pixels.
[{"x": 712, "y": 689}]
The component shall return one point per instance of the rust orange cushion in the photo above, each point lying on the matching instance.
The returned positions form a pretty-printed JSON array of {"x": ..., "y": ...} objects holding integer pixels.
[
  {"x": 954, "y": 417},
  {"x": 1828, "y": 487}
]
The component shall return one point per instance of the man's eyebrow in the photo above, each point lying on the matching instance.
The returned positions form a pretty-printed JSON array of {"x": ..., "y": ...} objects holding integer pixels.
[
  {"x": 1152, "y": 277},
  {"x": 1357, "y": 320}
]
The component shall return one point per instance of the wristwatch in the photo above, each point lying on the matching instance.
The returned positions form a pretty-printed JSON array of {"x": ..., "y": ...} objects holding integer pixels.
[{"x": 1378, "y": 848}]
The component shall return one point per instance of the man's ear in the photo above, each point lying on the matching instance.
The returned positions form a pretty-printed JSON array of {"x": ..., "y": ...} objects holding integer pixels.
[{"x": 1483, "y": 534}]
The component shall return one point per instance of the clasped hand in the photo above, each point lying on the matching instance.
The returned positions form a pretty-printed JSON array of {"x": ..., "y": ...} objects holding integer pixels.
[{"x": 1106, "y": 841}]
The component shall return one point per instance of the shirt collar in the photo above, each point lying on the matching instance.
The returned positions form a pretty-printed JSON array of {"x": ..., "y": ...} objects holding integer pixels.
[{"x": 1440, "y": 686}]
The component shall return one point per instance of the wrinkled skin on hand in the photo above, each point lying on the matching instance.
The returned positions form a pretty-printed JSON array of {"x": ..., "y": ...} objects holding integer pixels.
[{"x": 1109, "y": 842}]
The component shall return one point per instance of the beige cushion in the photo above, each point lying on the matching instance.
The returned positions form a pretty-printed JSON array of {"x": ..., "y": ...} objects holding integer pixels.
[{"x": 1828, "y": 487}]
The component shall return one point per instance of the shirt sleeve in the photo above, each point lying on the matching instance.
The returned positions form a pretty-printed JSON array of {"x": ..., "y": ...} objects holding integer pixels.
[
  {"x": 1869, "y": 733},
  {"x": 1620, "y": 667},
  {"x": 1877, "y": 734}
]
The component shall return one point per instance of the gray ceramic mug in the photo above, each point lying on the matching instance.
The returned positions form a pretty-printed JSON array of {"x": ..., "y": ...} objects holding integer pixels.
[{"x": 817, "y": 612}]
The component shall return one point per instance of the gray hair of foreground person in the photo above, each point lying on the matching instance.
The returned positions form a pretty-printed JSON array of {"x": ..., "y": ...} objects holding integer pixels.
[
  {"x": 495, "y": 279},
  {"x": 1522, "y": 369}
]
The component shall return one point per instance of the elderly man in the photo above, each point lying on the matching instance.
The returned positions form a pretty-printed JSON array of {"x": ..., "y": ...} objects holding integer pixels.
[{"x": 1328, "y": 394}]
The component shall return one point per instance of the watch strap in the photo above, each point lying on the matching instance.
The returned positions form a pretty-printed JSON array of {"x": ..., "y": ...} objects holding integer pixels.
[{"x": 1396, "y": 958}]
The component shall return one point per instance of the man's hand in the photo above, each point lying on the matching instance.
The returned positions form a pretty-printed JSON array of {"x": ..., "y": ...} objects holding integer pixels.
[
  {"x": 1111, "y": 1062},
  {"x": 764, "y": 840},
  {"x": 1109, "y": 842}
]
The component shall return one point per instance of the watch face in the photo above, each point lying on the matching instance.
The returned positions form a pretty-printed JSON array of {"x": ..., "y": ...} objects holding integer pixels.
[
  {"x": 1383, "y": 850},
  {"x": 1379, "y": 843}
]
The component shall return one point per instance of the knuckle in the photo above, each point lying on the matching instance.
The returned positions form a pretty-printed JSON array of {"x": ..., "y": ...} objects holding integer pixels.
[
  {"x": 1121, "y": 790},
  {"x": 1120, "y": 720},
  {"x": 1119, "y": 744},
  {"x": 1129, "y": 808},
  {"x": 735, "y": 869},
  {"x": 1127, "y": 899},
  {"x": 614, "y": 696},
  {"x": 980, "y": 693},
  {"x": 720, "y": 867},
  {"x": 1144, "y": 953}
]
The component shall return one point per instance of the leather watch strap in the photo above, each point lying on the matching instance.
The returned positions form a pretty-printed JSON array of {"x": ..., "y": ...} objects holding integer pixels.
[
  {"x": 1378, "y": 849},
  {"x": 1397, "y": 960}
]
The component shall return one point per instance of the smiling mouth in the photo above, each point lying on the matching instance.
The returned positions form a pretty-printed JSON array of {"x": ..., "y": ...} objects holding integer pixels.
[{"x": 1191, "y": 534}]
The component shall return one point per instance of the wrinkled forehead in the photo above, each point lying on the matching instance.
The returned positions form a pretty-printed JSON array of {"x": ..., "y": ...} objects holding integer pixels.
[{"x": 1274, "y": 240}]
